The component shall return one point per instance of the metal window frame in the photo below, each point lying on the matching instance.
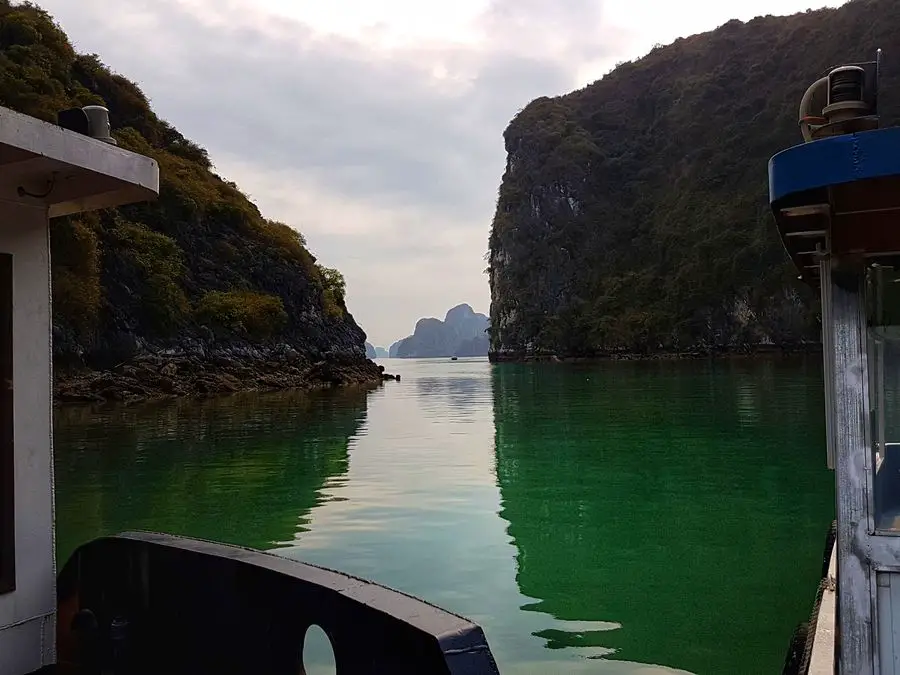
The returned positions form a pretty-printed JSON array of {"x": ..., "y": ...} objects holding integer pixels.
[
  {"x": 7, "y": 447},
  {"x": 827, "y": 356}
]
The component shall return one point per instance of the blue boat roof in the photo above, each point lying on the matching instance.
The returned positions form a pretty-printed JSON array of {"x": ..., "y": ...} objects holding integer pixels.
[
  {"x": 834, "y": 161},
  {"x": 839, "y": 194}
]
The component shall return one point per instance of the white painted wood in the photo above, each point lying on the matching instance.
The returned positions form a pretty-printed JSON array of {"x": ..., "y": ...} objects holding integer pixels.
[
  {"x": 22, "y": 642},
  {"x": 77, "y": 173},
  {"x": 64, "y": 173},
  {"x": 24, "y": 232}
]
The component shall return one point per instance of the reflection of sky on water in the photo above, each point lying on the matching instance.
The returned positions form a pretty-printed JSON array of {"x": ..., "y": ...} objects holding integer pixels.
[
  {"x": 627, "y": 494},
  {"x": 420, "y": 502},
  {"x": 459, "y": 394},
  {"x": 419, "y": 511}
]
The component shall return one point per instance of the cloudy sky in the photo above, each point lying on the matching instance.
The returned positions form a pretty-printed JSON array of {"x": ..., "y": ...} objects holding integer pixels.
[{"x": 375, "y": 126}]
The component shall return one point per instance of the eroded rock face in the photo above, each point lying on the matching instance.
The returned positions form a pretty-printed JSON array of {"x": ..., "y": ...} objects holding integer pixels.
[{"x": 632, "y": 214}]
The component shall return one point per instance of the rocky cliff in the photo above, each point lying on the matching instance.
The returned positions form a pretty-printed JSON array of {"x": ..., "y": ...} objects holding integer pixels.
[
  {"x": 463, "y": 332},
  {"x": 633, "y": 216},
  {"x": 198, "y": 284}
]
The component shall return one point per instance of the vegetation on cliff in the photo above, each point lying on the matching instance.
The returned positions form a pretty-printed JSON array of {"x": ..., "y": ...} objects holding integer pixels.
[
  {"x": 633, "y": 213},
  {"x": 199, "y": 266}
]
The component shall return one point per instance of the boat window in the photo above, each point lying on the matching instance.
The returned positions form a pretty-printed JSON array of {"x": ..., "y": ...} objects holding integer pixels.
[
  {"x": 883, "y": 347},
  {"x": 7, "y": 519},
  {"x": 318, "y": 653}
]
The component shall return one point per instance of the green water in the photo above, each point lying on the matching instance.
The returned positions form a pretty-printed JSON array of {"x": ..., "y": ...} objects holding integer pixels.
[{"x": 591, "y": 518}]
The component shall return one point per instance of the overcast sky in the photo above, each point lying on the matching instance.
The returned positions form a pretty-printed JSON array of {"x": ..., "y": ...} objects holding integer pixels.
[{"x": 375, "y": 126}]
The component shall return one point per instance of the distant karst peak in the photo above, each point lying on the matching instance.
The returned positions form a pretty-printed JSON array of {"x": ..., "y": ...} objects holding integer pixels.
[{"x": 463, "y": 332}]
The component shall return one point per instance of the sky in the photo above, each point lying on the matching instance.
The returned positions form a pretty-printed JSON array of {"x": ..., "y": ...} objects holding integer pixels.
[{"x": 375, "y": 127}]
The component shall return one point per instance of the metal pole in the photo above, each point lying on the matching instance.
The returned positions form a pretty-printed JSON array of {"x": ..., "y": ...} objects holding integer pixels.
[
  {"x": 827, "y": 356},
  {"x": 880, "y": 402}
]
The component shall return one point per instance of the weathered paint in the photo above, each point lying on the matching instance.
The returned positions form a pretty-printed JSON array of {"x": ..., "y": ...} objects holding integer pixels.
[
  {"x": 835, "y": 202},
  {"x": 852, "y": 447},
  {"x": 827, "y": 360}
]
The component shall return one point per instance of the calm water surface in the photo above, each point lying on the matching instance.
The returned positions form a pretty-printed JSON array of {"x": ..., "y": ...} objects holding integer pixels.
[{"x": 592, "y": 518}]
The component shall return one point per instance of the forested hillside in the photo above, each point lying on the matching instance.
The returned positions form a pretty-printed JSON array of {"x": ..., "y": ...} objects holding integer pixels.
[
  {"x": 199, "y": 271},
  {"x": 633, "y": 213}
]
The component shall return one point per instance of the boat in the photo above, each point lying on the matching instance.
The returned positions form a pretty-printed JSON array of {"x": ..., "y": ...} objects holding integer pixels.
[
  {"x": 836, "y": 202},
  {"x": 141, "y": 602}
]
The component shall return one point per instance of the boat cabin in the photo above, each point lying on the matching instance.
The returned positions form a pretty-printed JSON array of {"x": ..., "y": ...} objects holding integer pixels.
[
  {"x": 45, "y": 172},
  {"x": 836, "y": 200},
  {"x": 141, "y": 602}
]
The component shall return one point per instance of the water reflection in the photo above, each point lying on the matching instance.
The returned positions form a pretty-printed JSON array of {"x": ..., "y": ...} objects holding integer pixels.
[
  {"x": 591, "y": 518},
  {"x": 671, "y": 503},
  {"x": 243, "y": 469},
  {"x": 459, "y": 394}
]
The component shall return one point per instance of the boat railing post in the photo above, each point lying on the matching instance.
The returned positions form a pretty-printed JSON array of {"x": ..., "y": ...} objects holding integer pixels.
[
  {"x": 850, "y": 433},
  {"x": 827, "y": 356}
]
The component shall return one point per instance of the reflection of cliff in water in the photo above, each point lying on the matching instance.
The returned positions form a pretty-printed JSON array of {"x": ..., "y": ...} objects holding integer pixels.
[
  {"x": 240, "y": 469},
  {"x": 685, "y": 504}
]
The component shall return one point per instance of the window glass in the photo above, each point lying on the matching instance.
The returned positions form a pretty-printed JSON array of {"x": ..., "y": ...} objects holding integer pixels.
[{"x": 883, "y": 347}]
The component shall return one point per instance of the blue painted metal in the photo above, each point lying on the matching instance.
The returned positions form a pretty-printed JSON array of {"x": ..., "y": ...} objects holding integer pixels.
[{"x": 834, "y": 161}]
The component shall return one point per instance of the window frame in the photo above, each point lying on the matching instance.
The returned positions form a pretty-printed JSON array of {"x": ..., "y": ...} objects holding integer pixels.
[{"x": 7, "y": 454}]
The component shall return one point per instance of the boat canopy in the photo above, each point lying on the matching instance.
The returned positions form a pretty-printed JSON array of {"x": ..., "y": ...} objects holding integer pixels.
[
  {"x": 838, "y": 195},
  {"x": 46, "y": 171}
]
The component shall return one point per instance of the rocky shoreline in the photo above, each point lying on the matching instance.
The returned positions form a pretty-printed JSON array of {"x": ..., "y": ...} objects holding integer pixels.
[
  {"x": 743, "y": 351},
  {"x": 173, "y": 374}
]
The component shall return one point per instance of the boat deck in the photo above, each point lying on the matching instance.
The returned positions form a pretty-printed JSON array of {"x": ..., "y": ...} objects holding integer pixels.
[{"x": 822, "y": 659}]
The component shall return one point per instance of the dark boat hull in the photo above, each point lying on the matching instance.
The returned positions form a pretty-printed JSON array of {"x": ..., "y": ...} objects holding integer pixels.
[{"x": 152, "y": 603}]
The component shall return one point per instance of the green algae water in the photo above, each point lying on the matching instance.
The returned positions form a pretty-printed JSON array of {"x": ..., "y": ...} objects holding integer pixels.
[{"x": 614, "y": 518}]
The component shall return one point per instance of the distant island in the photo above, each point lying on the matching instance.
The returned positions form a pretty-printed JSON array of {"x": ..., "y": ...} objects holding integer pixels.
[
  {"x": 463, "y": 332},
  {"x": 376, "y": 352}
]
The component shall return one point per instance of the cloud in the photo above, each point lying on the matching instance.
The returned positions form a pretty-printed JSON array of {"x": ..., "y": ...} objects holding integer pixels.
[
  {"x": 388, "y": 159},
  {"x": 547, "y": 29},
  {"x": 386, "y": 153}
]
